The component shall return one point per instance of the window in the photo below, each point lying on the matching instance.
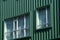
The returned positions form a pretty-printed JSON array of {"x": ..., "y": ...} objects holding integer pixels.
[
  {"x": 17, "y": 28},
  {"x": 43, "y": 18}
]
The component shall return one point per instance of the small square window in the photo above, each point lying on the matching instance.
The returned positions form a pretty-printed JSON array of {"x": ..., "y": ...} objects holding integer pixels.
[{"x": 43, "y": 18}]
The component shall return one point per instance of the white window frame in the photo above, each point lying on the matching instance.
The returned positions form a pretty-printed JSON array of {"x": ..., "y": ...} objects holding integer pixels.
[
  {"x": 46, "y": 17},
  {"x": 24, "y": 25},
  {"x": 37, "y": 18},
  {"x": 15, "y": 29},
  {"x": 5, "y": 30}
]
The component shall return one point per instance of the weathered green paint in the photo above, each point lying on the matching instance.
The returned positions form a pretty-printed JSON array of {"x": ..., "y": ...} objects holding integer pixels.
[{"x": 13, "y": 8}]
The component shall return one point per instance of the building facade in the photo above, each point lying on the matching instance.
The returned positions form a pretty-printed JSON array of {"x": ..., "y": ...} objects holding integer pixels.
[{"x": 29, "y": 19}]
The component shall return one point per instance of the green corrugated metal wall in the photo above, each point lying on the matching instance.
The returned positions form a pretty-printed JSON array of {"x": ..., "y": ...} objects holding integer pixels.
[
  {"x": 59, "y": 11},
  {"x": 0, "y": 19},
  {"x": 59, "y": 15},
  {"x": 12, "y": 8}
]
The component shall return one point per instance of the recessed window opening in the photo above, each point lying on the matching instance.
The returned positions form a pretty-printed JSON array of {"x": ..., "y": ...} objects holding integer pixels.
[
  {"x": 43, "y": 18},
  {"x": 17, "y": 28}
]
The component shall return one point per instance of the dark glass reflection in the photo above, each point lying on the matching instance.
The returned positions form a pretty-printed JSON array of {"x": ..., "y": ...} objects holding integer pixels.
[
  {"x": 27, "y": 25},
  {"x": 49, "y": 17},
  {"x": 42, "y": 18},
  {"x": 21, "y": 27},
  {"x": 9, "y": 25}
]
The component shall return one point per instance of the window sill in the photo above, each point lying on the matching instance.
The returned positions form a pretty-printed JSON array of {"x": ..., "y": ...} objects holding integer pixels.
[
  {"x": 43, "y": 29},
  {"x": 22, "y": 38}
]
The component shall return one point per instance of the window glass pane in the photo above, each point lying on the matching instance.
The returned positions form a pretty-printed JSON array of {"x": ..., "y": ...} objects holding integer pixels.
[
  {"x": 42, "y": 18},
  {"x": 49, "y": 17},
  {"x": 21, "y": 27},
  {"x": 27, "y": 32},
  {"x": 27, "y": 25},
  {"x": 9, "y": 35},
  {"x": 20, "y": 33},
  {"x": 27, "y": 21},
  {"x": 21, "y": 22},
  {"x": 9, "y": 25}
]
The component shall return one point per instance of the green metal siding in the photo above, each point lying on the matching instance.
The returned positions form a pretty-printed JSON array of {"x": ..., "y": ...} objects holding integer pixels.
[
  {"x": 0, "y": 18},
  {"x": 59, "y": 17},
  {"x": 13, "y": 8}
]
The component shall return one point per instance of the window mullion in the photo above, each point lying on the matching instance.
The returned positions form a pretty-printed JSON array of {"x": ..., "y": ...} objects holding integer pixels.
[
  {"x": 13, "y": 28},
  {"x": 17, "y": 28},
  {"x": 5, "y": 30},
  {"x": 24, "y": 25},
  {"x": 46, "y": 18},
  {"x": 37, "y": 19}
]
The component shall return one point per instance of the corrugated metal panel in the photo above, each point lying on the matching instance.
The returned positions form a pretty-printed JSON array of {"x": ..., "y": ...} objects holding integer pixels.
[
  {"x": 0, "y": 22},
  {"x": 12, "y": 8},
  {"x": 58, "y": 16},
  {"x": 56, "y": 19}
]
